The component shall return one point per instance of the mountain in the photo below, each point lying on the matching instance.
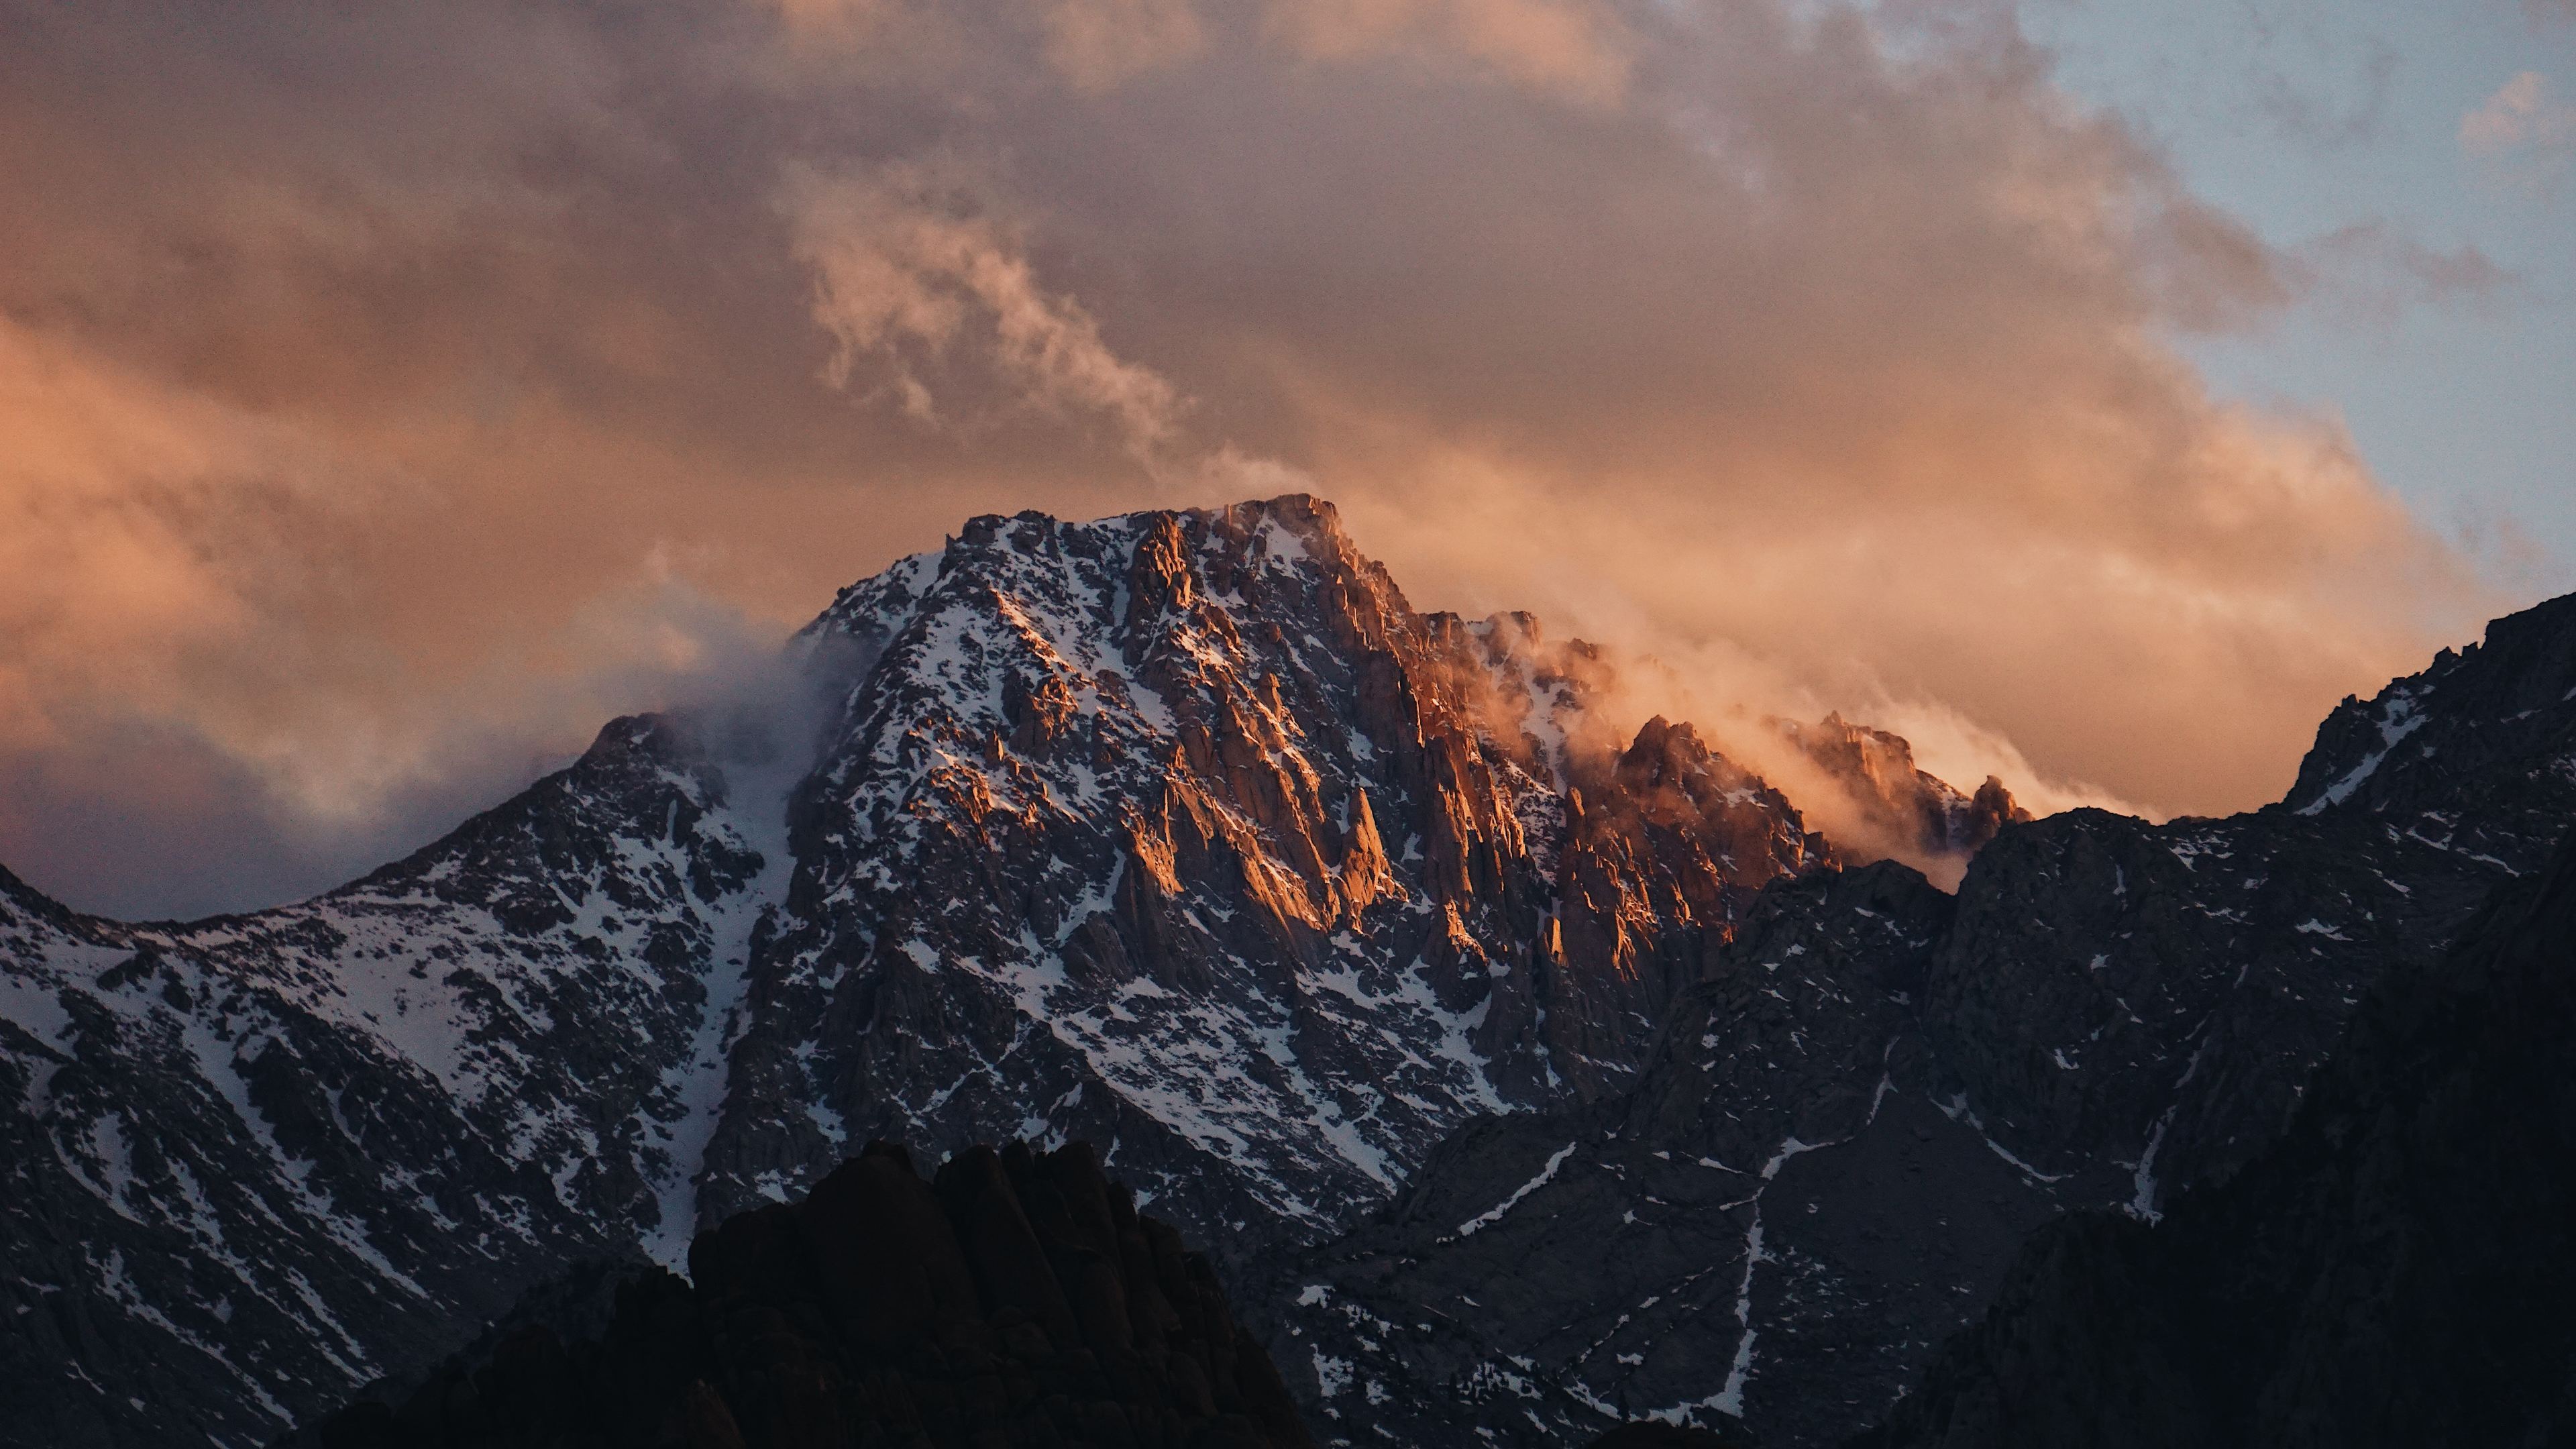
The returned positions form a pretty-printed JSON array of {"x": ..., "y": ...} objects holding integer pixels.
[
  {"x": 1185, "y": 834},
  {"x": 2396, "y": 1271},
  {"x": 1017, "y": 1299},
  {"x": 1182, "y": 833},
  {"x": 1517, "y": 1068},
  {"x": 253, "y": 1161},
  {"x": 1877, "y": 1092}
]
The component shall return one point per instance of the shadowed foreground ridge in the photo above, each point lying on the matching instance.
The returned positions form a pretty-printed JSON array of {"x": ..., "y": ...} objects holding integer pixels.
[
  {"x": 2397, "y": 1271},
  {"x": 1017, "y": 1299}
]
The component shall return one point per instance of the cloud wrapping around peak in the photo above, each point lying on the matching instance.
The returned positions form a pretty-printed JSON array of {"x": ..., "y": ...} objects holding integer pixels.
[{"x": 1824, "y": 353}]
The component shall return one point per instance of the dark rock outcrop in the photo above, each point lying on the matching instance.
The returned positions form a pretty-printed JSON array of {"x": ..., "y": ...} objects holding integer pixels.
[
  {"x": 2397, "y": 1270},
  {"x": 1015, "y": 1299},
  {"x": 1546, "y": 1275}
]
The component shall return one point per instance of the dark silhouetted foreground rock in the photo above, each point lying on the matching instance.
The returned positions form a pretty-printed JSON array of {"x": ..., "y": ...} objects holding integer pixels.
[
  {"x": 1018, "y": 1299},
  {"x": 2399, "y": 1270}
]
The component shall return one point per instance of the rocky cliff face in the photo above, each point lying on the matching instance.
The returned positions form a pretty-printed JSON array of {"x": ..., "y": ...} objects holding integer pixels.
[
  {"x": 2395, "y": 1271},
  {"x": 1017, "y": 1299},
  {"x": 1850, "y": 1125},
  {"x": 1182, "y": 833}
]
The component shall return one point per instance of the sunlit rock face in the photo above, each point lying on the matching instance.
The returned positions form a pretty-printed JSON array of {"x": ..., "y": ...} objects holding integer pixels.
[{"x": 1180, "y": 832}]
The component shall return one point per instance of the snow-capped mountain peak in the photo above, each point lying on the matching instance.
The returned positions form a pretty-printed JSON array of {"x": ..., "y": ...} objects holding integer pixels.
[{"x": 1180, "y": 832}]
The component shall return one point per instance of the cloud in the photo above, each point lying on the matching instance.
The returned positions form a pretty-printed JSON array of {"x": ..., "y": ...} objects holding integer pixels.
[
  {"x": 383, "y": 386},
  {"x": 2521, "y": 132},
  {"x": 2304, "y": 112},
  {"x": 186, "y": 805},
  {"x": 1097, "y": 44},
  {"x": 2514, "y": 115},
  {"x": 1739, "y": 702},
  {"x": 904, "y": 262},
  {"x": 2373, "y": 271},
  {"x": 1573, "y": 47}
]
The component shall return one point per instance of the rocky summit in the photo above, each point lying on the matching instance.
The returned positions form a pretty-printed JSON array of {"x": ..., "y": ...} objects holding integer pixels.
[
  {"x": 1522, "y": 1069},
  {"x": 1184, "y": 833}
]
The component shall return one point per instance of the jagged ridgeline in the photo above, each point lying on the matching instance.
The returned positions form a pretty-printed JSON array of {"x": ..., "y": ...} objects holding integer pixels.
[{"x": 1017, "y": 1299}]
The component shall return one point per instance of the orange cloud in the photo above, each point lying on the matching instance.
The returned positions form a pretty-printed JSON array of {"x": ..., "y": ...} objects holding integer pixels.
[
  {"x": 1097, "y": 44},
  {"x": 396, "y": 392},
  {"x": 1574, "y": 47}
]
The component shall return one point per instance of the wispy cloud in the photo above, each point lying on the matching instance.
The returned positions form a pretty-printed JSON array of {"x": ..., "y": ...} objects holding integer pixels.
[
  {"x": 2523, "y": 133},
  {"x": 2371, "y": 272},
  {"x": 908, "y": 264}
]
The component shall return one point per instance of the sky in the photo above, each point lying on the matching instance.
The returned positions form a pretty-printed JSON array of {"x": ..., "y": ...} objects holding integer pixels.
[
  {"x": 2093, "y": 394},
  {"x": 2446, "y": 127}
]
